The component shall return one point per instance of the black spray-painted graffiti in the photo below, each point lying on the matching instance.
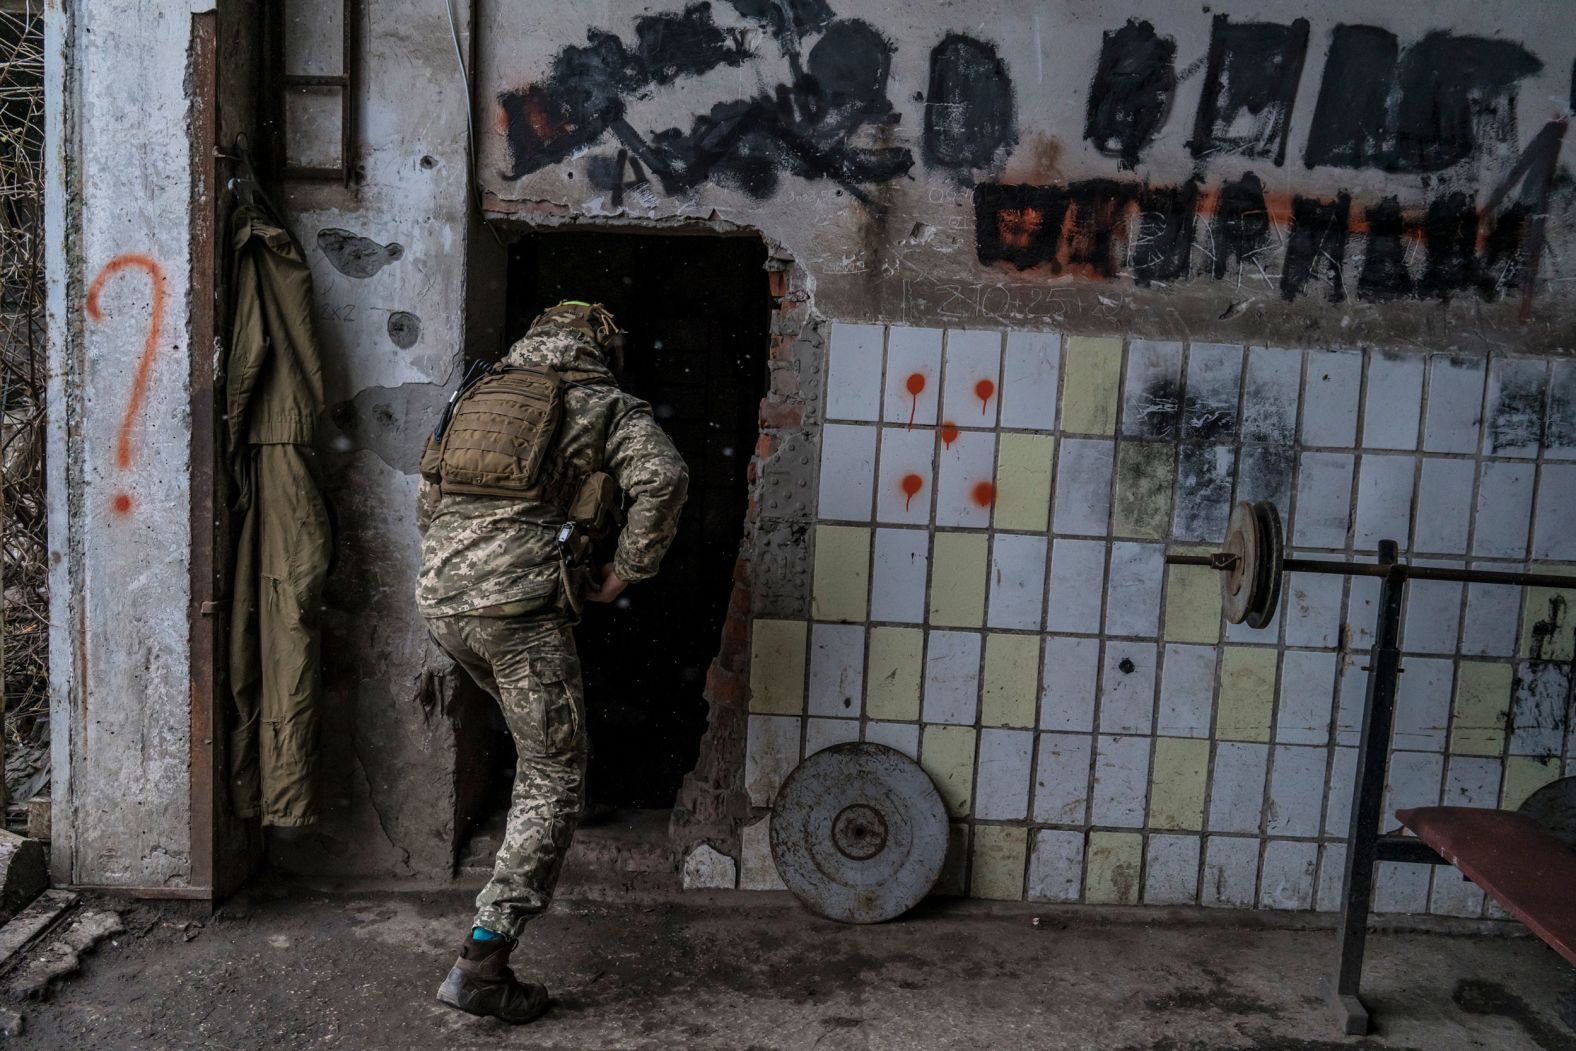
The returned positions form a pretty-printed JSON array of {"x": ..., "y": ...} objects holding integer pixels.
[
  {"x": 832, "y": 120},
  {"x": 1427, "y": 108}
]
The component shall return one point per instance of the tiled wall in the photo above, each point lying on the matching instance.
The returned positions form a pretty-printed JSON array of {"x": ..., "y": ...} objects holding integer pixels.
[{"x": 989, "y": 597}]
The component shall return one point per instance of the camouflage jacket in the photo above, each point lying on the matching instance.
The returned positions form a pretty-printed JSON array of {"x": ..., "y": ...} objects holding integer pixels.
[{"x": 479, "y": 551}]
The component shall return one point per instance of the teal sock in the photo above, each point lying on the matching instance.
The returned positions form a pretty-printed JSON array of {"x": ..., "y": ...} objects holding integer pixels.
[{"x": 482, "y": 934}]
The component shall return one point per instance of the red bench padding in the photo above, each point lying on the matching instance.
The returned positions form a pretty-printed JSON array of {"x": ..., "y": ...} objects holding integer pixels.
[{"x": 1517, "y": 862}]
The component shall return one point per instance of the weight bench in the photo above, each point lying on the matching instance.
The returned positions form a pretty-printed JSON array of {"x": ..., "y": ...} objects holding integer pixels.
[
  {"x": 1503, "y": 852},
  {"x": 1517, "y": 862}
]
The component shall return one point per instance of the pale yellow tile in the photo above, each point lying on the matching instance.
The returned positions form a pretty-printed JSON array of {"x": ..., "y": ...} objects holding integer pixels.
[
  {"x": 1176, "y": 797},
  {"x": 897, "y": 662},
  {"x": 1023, "y": 481},
  {"x": 947, "y": 754},
  {"x": 958, "y": 571},
  {"x": 1481, "y": 706},
  {"x": 1192, "y": 604},
  {"x": 842, "y": 573},
  {"x": 1524, "y": 775},
  {"x": 1548, "y": 628},
  {"x": 1091, "y": 378},
  {"x": 777, "y": 666},
  {"x": 999, "y": 852},
  {"x": 1111, "y": 866},
  {"x": 1144, "y": 475},
  {"x": 1247, "y": 693},
  {"x": 1012, "y": 672}
]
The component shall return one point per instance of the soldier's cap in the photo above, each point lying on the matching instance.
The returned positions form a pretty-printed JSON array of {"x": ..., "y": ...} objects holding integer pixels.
[{"x": 590, "y": 319}]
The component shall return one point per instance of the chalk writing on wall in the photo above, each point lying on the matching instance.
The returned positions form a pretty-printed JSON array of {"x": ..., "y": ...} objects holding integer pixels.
[{"x": 125, "y": 448}]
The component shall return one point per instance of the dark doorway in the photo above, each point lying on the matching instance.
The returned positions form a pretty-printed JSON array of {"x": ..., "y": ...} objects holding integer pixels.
[{"x": 697, "y": 310}]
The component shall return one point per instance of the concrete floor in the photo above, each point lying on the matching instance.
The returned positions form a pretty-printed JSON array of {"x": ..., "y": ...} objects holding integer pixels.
[{"x": 290, "y": 967}]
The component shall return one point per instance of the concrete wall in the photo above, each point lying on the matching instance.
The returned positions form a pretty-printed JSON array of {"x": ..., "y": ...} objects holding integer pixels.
[{"x": 119, "y": 439}]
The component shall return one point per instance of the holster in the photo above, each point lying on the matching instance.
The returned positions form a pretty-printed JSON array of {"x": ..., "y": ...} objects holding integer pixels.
[{"x": 594, "y": 514}]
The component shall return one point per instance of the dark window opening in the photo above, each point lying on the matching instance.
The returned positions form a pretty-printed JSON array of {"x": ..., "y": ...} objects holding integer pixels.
[{"x": 696, "y": 309}]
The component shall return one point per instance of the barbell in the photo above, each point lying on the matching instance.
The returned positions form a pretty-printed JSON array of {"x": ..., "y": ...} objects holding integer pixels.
[{"x": 1254, "y": 558}]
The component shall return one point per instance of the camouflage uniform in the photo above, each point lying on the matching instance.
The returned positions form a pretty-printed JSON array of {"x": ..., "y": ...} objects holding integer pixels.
[{"x": 489, "y": 587}]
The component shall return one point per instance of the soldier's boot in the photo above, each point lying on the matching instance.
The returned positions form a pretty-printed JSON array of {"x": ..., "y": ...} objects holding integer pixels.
[{"x": 481, "y": 983}]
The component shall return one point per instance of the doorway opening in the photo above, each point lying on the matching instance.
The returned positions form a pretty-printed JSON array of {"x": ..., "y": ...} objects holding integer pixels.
[{"x": 697, "y": 310}]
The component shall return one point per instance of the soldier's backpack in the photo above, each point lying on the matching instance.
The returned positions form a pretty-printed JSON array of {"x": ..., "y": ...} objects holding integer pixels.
[{"x": 496, "y": 433}]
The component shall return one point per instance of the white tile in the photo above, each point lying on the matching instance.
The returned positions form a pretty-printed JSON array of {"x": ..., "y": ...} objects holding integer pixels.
[
  {"x": 1083, "y": 486},
  {"x": 1444, "y": 505},
  {"x": 1171, "y": 870},
  {"x": 1270, "y": 393},
  {"x": 897, "y": 579},
  {"x": 848, "y": 467},
  {"x": 1332, "y": 877},
  {"x": 1384, "y": 501},
  {"x": 1455, "y": 404},
  {"x": 1412, "y": 781},
  {"x": 1338, "y": 798},
  {"x": 1432, "y": 622},
  {"x": 1362, "y": 604},
  {"x": 1236, "y": 797},
  {"x": 1307, "y": 698},
  {"x": 1324, "y": 500},
  {"x": 1001, "y": 792},
  {"x": 1187, "y": 689},
  {"x": 1555, "y": 531},
  {"x": 1399, "y": 887},
  {"x": 1454, "y": 894},
  {"x": 1422, "y": 704},
  {"x": 1061, "y": 779},
  {"x": 913, "y": 384},
  {"x": 1132, "y": 605},
  {"x": 837, "y": 661},
  {"x": 1287, "y": 880},
  {"x": 1030, "y": 373},
  {"x": 1517, "y": 388},
  {"x": 1127, "y": 687},
  {"x": 1266, "y": 472},
  {"x": 1492, "y": 614},
  {"x": 1152, "y": 394},
  {"x": 966, "y": 480},
  {"x": 952, "y": 677},
  {"x": 1068, "y": 692},
  {"x": 1313, "y": 609},
  {"x": 1351, "y": 697},
  {"x": 1203, "y": 492},
  {"x": 1214, "y": 386},
  {"x": 1329, "y": 400},
  {"x": 1472, "y": 780},
  {"x": 1231, "y": 872},
  {"x": 1121, "y": 781},
  {"x": 1077, "y": 586},
  {"x": 903, "y": 493},
  {"x": 1017, "y": 581},
  {"x": 902, "y": 736},
  {"x": 1559, "y": 434},
  {"x": 757, "y": 870},
  {"x": 1504, "y": 509},
  {"x": 771, "y": 751},
  {"x": 1540, "y": 708},
  {"x": 1056, "y": 866},
  {"x": 1296, "y": 790},
  {"x": 853, "y": 372},
  {"x": 820, "y": 734},
  {"x": 1394, "y": 401},
  {"x": 971, "y": 389}
]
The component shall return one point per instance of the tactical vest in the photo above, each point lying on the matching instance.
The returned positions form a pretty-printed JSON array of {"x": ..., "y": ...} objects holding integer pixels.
[{"x": 496, "y": 436}]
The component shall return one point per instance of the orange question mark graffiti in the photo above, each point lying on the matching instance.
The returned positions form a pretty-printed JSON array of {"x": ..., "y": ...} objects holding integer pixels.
[{"x": 139, "y": 383}]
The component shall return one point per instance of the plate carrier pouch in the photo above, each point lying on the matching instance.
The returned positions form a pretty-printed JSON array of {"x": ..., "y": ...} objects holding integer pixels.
[{"x": 495, "y": 435}]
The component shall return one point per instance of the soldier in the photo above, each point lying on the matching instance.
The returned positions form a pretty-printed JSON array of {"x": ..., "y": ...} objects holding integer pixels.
[{"x": 518, "y": 480}]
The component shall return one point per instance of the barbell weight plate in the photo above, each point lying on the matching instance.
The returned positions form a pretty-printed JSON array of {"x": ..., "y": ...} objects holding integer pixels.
[
  {"x": 1237, "y": 583},
  {"x": 1265, "y": 600},
  {"x": 859, "y": 833}
]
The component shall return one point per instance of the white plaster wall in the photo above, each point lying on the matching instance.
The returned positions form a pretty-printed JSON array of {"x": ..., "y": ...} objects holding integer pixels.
[{"x": 120, "y": 535}]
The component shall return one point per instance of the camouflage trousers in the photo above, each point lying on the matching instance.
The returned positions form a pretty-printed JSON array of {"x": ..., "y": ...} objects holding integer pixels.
[{"x": 529, "y": 664}]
